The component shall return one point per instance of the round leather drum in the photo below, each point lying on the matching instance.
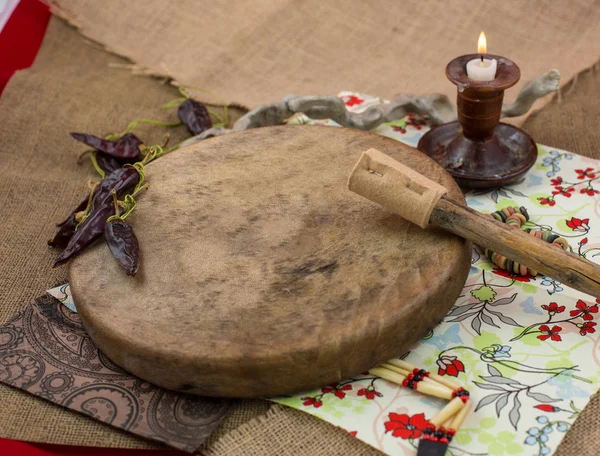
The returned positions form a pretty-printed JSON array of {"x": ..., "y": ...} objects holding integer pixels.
[{"x": 262, "y": 274}]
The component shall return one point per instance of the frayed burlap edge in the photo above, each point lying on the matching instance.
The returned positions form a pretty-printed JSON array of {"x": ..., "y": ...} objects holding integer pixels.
[{"x": 135, "y": 68}]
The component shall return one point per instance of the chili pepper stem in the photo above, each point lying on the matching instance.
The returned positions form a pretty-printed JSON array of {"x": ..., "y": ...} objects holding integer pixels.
[
  {"x": 97, "y": 166},
  {"x": 132, "y": 126},
  {"x": 173, "y": 103},
  {"x": 139, "y": 190},
  {"x": 83, "y": 154},
  {"x": 81, "y": 216}
]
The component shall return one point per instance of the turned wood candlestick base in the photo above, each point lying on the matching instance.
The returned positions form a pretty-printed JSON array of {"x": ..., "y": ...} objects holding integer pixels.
[{"x": 478, "y": 150}]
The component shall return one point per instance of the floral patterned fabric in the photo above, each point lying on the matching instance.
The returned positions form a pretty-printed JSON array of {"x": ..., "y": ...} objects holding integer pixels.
[
  {"x": 63, "y": 294},
  {"x": 525, "y": 347}
]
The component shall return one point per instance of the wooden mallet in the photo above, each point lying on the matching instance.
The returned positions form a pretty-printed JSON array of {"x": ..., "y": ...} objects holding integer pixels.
[{"x": 418, "y": 199}]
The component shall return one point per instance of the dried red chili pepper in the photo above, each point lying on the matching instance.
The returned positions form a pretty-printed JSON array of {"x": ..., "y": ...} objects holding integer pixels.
[
  {"x": 126, "y": 147},
  {"x": 65, "y": 231},
  {"x": 79, "y": 208},
  {"x": 67, "y": 227},
  {"x": 194, "y": 116},
  {"x": 122, "y": 180},
  {"x": 123, "y": 244},
  {"x": 109, "y": 164}
]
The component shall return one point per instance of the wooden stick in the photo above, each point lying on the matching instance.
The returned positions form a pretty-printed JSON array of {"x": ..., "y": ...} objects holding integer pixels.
[
  {"x": 425, "y": 388},
  {"x": 452, "y": 408},
  {"x": 418, "y": 199},
  {"x": 437, "y": 378},
  {"x": 459, "y": 419},
  {"x": 405, "y": 373},
  {"x": 517, "y": 245}
]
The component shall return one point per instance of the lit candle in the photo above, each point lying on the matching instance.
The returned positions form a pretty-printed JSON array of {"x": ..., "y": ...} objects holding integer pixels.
[{"x": 482, "y": 69}]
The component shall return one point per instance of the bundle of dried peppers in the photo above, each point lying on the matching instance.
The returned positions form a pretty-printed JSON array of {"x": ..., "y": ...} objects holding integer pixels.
[{"x": 120, "y": 161}]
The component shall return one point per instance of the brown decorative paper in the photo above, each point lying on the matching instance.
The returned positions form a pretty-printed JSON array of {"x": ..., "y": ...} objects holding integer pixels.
[{"x": 45, "y": 351}]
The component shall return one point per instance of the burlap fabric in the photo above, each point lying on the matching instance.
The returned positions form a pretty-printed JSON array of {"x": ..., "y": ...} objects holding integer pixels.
[
  {"x": 71, "y": 87},
  {"x": 254, "y": 53},
  {"x": 571, "y": 119}
]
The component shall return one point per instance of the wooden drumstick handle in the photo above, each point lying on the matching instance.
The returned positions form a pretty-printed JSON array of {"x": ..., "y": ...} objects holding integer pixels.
[
  {"x": 402, "y": 190},
  {"x": 572, "y": 270}
]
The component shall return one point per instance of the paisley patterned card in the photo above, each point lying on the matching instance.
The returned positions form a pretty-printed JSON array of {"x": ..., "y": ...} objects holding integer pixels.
[{"x": 45, "y": 351}]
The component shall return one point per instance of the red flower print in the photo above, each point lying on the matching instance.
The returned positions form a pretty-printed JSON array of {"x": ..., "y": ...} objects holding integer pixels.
[
  {"x": 553, "y": 308},
  {"x": 556, "y": 181},
  {"x": 550, "y": 333},
  {"x": 510, "y": 275},
  {"x": 337, "y": 390},
  {"x": 546, "y": 408},
  {"x": 449, "y": 365},
  {"x": 583, "y": 241},
  {"x": 566, "y": 192},
  {"x": 589, "y": 190},
  {"x": 406, "y": 427},
  {"x": 400, "y": 129},
  {"x": 414, "y": 122},
  {"x": 352, "y": 100},
  {"x": 583, "y": 173},
  {"x": 586, "y": 327},
  {"x": 578, "y": 224},
  {"x": 584, "y": 310},
  {"x": 352, "y": 433},
  {"x": 308, "y": 401},
  {"x": 369, "y": 393},
  {"x": 549, "y": 201}
]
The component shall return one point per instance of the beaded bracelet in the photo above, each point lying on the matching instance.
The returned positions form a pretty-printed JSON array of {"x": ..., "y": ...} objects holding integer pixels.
[{"x": 517, "y": 217}]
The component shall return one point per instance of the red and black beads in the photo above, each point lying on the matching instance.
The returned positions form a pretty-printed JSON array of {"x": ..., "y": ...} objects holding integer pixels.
[
  {"x": 462, "y": 393},
  {"x": 440, "y": 434},
  {"x": 414, "y": 378}
]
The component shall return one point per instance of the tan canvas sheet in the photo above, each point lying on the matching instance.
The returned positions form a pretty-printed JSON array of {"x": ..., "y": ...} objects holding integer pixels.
[
  {"x": 257, "y": 52},
  {"x": 73, "y": 87}
]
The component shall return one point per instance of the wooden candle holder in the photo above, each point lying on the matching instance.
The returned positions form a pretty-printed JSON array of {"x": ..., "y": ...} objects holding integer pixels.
[{"x": 478, "y": 150}]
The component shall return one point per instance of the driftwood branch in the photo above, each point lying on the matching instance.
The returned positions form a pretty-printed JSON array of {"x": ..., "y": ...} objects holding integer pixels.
[
  {"x": 535, "y": 89},
  {"x": 436, "y": 107}
]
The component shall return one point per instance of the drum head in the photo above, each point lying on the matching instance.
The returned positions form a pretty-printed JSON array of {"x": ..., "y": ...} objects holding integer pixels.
[{"x": 262, "y": 274}]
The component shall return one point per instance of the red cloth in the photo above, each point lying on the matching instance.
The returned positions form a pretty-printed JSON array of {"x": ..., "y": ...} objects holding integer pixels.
[
  {"x": 16, "y": 448},
  {"x": 21, "y": 38}
]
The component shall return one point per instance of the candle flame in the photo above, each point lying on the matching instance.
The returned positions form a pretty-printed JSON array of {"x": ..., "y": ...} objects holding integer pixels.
[{"x": 482, "y": 44}]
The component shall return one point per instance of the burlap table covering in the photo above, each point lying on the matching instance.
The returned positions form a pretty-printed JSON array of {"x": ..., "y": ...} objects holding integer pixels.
[
  {"x": 253, "y": 53},
  {"x": 71, "y": 87}
]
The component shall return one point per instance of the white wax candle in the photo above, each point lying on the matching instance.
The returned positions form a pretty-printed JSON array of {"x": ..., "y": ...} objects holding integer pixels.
[{"x": 482, "y": 70}]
